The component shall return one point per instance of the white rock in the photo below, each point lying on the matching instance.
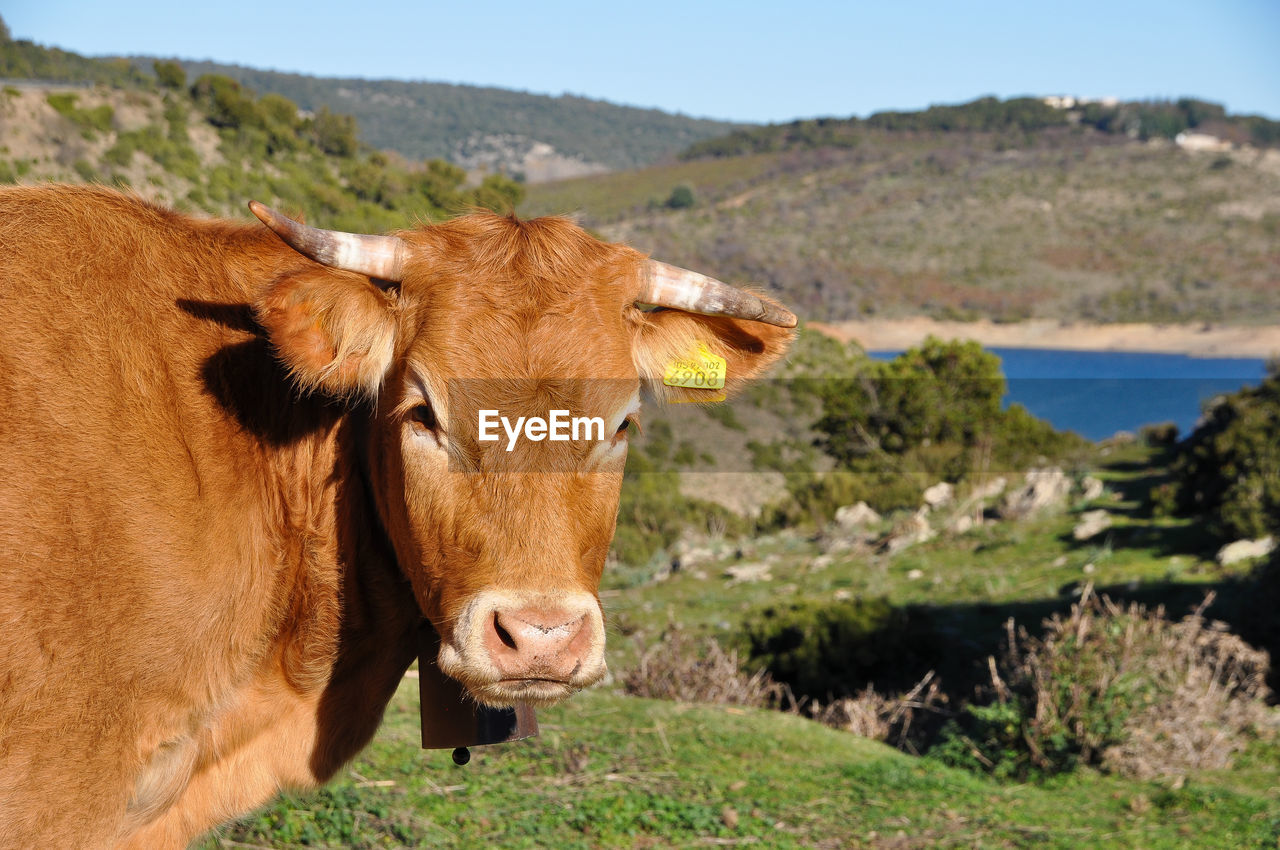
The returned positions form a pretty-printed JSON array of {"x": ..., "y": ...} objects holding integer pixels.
[
  {"x": 856, "y": 516},
  {"x": 939, "y": 494},
  {"x": 961, "y": 524},
  {"x": 1091, "y": 488},
  {"x": 915, "y": 575},
  {"x": 989, "y": 489},
  {"x": 1243, "y": 550},
  {"x": 748, "y": 572},
  {"x": 1092, "y": 523},
  {"x": 1043, "y": 489},
  {"x": 914, "y": 530},
  {"x": 821, "y": 563}
]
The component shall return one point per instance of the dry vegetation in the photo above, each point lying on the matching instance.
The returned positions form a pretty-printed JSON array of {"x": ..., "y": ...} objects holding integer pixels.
[
  {"x": 1070, "y": 226},
  {"x": 1119, "y": 687},
  {"x": 681, "y": 667}
]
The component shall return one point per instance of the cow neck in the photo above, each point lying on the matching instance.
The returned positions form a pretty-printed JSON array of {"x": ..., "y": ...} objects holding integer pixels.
[{"x": 375, "y": 639}]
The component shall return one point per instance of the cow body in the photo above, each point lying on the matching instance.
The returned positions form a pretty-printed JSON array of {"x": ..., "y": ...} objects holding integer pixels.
[{"x": 210, "y": 581}]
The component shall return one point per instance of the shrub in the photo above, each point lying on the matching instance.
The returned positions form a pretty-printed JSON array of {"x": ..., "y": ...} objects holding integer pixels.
[
  {"x": 825, "y": 650},
  {"x": 934, "y": 410},
  {"x": 89, "y": 121},
  {"x": 498, "y": 193},
  {"x": 880, "y": 717},
  {"x": 1123, "y": 689},
  {"x": 680, "y": 667},
  {"x": 1159, "y": 435},
  {"x": 170, "y": 74},
  {"x": 121, "y": 152},
  {"x": 1228, "y": 470},
  {"x": 815, "y": 498},
  {"x": 335, "y": 133},
  {"x": 225, "y": 101},
  {"x": 681, "y": 197}
]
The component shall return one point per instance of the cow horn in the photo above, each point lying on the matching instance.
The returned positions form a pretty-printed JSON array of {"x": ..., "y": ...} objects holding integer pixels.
[
  {"x": 376, "y": 256},
  {"x": 681, "y": 289}
]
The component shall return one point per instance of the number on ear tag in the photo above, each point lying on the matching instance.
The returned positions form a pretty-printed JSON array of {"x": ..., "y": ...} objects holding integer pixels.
[{"x": 700, "y": 369}]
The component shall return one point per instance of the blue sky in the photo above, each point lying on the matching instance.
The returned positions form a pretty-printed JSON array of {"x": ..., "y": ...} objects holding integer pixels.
[{"x": 744, "y": 60}]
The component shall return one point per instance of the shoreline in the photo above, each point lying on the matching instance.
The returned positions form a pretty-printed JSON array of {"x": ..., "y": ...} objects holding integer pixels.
[{"x": 1195, "y": 340}]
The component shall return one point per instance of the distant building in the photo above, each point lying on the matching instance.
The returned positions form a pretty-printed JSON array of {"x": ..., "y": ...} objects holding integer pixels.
[
  {"x": 1201, "y": 142},
  {"x": 1068, "y": 101}
]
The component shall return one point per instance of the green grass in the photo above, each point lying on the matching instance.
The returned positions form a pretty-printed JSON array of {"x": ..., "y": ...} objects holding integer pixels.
[{"x": 615, "y": 771}]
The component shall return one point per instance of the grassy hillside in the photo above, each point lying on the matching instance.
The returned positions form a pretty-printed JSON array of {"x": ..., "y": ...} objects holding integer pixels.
[
  {"x": 612, "y": 771},
  {"x": 212, "y": 146},
  {"x": 514, "y": 132},
  {"x": 1067, "y": 223},
  {"x": 423, "y": 120}
]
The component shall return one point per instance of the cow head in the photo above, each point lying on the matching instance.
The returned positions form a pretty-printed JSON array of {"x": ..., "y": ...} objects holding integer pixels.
[{"x": 503, "y": 541}]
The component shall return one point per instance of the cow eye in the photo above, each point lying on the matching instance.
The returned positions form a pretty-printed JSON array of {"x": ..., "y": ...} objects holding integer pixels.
[
  {"x": 423, "y": 416},
  {"x": 625, "y": 427}
]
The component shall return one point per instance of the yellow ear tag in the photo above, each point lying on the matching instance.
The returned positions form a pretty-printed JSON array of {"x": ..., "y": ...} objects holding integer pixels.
[{"x": 700, "y": 369}]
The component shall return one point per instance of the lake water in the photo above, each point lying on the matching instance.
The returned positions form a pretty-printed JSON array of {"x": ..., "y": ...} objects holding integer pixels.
[{"x": 1097, "y": 393}]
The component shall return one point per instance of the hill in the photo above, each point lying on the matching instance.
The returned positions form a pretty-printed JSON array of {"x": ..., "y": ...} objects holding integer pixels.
[
  {"x": 530, "y": 136},
  {"x": 539, "y": 136},
  {"x": 212, "y": 146},
  {"x": 1065, "y": 222},
  {"x": 1013, "y": 118}
]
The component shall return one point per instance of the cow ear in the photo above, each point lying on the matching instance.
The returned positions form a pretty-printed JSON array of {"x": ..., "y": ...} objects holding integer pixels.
[
  {"x": 666, "y": 336},
  {"x": 334, "y": 331}
]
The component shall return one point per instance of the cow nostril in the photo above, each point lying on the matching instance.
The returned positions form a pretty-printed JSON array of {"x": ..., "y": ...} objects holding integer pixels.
[{"x": 503, "y": 635}]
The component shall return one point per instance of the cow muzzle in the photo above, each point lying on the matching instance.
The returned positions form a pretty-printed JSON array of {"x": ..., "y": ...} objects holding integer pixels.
[{"x": 535, "y": 648}]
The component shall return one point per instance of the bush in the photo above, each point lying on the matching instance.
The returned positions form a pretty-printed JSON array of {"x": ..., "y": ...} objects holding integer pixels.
[
  {"x": 815, "y": 498},
  {"x": 681, "y": 198},
  {"x": 936, "y": 411},
  {"x": 1159, "y": 435},
  {"x": 90, "y": 121},
  {"x": 1123, "y": 689},
  {"x": 680, "y": 667},
  {"x": 225, "y": 102},
  {"x": 1228, "y": 470},
  {"x": 891, "y": 719},
  {"x": 826, "y": 650},
  {"x": 498, "y": 193},
  {"x": 121, "y": 152},
  {"x": 169, "y": 74},
  {"x": 335, "y": 134}
]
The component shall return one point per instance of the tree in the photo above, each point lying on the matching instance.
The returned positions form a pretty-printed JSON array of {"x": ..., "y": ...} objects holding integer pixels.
[
  {"x": 225, "y": 101},
  {"x": 937, "y": 409},
  {"x": 1228, "y": 470},
  {"x": 498, "y": 193},
  {"x": 681, "y": 197},
  {"x": 335, "y": 133},
  {"x": 939, "y": 392},
  {"x": 170, "y": 74}
]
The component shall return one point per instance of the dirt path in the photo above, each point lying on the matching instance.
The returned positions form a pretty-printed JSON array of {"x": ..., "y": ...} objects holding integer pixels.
[{"x": 1199, "y": 340}]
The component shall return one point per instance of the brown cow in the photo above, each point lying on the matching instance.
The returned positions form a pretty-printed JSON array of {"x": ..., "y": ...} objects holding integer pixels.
[{"x": 210, "y": 582}]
